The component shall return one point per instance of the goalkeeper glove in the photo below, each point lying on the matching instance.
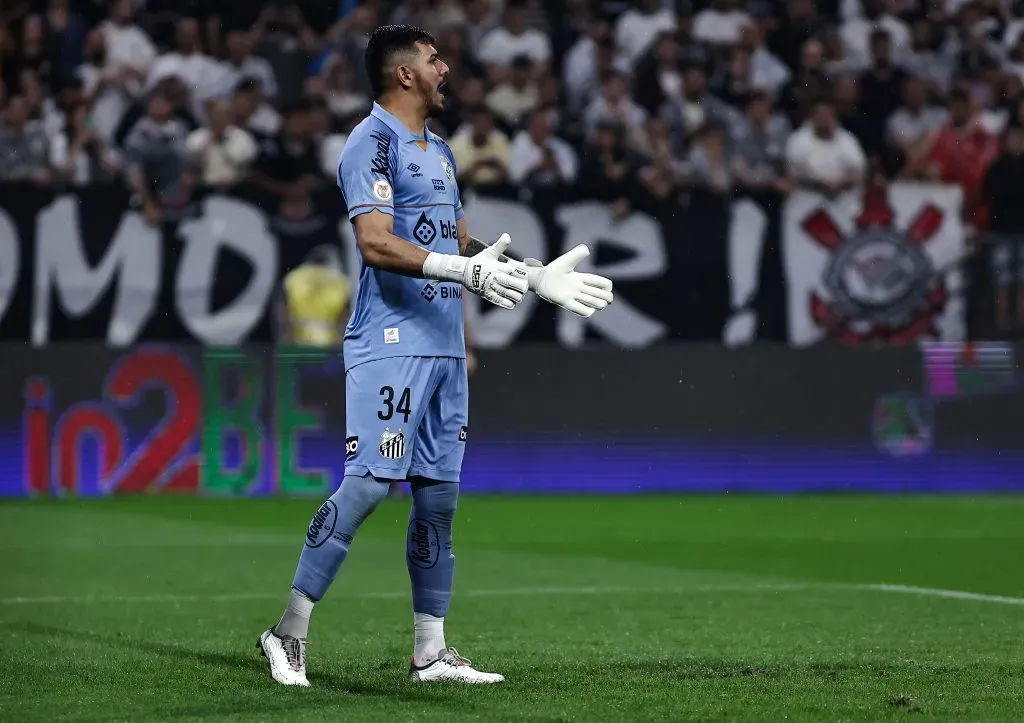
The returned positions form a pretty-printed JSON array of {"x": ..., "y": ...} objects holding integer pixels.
[
  {"x": 560, "y": 284},
  {"x": 499, "y": 282}
]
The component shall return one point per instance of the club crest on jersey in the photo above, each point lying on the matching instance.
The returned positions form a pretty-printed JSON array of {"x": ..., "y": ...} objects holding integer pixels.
[
  {"x": 392, "y": 444},
  {"x": 382, "y": 190},
  {"x": 448, "y": 170}
]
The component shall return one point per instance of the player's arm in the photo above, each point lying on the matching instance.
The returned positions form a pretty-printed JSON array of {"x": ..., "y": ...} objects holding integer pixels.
[
  {"x": 558, "y": 282},
  {"x": 381, "y": 249}
]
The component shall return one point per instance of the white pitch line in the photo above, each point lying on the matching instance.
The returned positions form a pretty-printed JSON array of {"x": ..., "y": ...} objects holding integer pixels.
[
  {"x": 941, "y": 593},
  {"x": 396, "y": 594},
  {"x": 567, "y": 591}
]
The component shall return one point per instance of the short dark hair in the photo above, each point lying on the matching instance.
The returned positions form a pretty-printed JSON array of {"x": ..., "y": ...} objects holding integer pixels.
[{"x": 386, "y": 42}]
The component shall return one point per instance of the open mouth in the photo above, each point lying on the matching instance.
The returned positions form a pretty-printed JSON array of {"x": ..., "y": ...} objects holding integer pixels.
[{"x": 443, "y": 89}]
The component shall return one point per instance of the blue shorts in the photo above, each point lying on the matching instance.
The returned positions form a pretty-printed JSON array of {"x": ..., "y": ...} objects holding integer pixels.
[{"x": 406, "y": 416}]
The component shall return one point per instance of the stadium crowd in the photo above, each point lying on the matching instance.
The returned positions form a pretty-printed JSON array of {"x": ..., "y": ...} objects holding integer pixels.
[{"x": 628, "y": 101}]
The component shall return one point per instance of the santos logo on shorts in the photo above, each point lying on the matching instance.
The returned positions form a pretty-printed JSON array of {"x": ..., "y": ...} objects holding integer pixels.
[{"x": 392, "y": 444}]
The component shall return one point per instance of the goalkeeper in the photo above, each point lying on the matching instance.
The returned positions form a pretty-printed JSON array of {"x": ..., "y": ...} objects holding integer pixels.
[{"x": 405, "y": 367}]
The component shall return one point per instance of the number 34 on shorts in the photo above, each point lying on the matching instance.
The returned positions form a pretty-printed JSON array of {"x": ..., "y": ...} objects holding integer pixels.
[{"x": 407, "y": 416}]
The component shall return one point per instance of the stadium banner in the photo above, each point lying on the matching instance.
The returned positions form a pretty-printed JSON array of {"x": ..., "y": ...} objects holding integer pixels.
[
  {"x": 88, "y": 420},
  {"x": 880, "y": 266},
  {"x": 85, "y": 266}
]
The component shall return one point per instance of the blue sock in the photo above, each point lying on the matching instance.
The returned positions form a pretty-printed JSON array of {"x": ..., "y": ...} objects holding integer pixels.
[
  {"x": 428, "y": 551},
  {"x": 331, "y": 531}
]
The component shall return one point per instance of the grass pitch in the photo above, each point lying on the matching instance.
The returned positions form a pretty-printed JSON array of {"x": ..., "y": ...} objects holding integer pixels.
[{"x": 594, "y": 608}]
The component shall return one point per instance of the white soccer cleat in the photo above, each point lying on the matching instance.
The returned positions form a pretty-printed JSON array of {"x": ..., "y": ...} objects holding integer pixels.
[
  {"x": 452, "y": 667},
  {"x": 287, "y": 657}
]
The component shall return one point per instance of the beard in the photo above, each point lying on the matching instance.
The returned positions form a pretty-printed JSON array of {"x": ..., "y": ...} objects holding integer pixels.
[{"x": 436, "y": 98}]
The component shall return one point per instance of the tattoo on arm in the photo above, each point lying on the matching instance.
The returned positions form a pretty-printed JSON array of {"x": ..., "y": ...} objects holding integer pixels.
[{"x": 470, "y": 246}]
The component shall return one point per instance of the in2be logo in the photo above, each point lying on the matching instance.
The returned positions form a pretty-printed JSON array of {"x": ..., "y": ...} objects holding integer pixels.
[{"x": 56, "y": 443}]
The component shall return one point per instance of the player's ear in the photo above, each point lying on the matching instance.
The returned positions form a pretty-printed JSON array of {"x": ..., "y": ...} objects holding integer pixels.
[{"x": 404, "y": 75}]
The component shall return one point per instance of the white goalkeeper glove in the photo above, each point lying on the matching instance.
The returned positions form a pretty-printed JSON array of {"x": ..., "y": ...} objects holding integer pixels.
[
  {"x": 499, "y": 282},
  {"x": 559, "y": 283}
]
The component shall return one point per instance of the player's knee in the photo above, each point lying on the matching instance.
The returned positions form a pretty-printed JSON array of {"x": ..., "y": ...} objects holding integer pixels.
[
  {"x": 354, "y": 501},
  {"x": 436, "y": 501}
]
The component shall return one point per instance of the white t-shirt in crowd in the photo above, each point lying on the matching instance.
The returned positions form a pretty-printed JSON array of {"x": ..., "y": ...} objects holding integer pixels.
[
  {"x": 636, "y": 31},
  {"x": 824, "y": 160},
  {"x": 718, "y": 28},
  {"x": 500, "y": 46}
]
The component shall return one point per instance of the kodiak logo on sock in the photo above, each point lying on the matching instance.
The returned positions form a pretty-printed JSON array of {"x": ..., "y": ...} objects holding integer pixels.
[
  {"x": 423, "y": 546},
  {"x": 322, "y": 526}
]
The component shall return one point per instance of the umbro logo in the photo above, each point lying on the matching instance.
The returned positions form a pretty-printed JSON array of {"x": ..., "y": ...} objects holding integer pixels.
[{"x": 415, "y": 170}]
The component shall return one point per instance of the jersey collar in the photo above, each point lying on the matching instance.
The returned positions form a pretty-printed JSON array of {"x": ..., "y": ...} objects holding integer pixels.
[{"x": 397, "y": 127}]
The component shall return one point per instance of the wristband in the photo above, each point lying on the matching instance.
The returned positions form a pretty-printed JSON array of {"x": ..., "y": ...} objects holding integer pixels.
[{"x": 444, "y": 267}]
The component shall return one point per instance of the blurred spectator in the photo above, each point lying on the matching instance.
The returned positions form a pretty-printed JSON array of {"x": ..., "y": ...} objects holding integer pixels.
[
  {"x": 695, "y": 108},
  {"x": 609, "y": 169},
  {"x": 108, "y": 88},
  {"x": 340, "y": 91},
  {"x": 128, "y": 50},
  {"x": 288, "y": 165},
  {"x": 516, "y": 95},
  {"x": 240, "y": 63},
  {"x": 157, "y": 161},
  {"x": 925, "y": 59},
  {"x": 733, "y": 84},
  {"x": 824, "y": 157},
  {"x": 251, "y": 111},
  {"x": 857, "y": 32},
  {"x": 1003, "y": 191},
  {"x": 846, "y": 100},
  {"x": 315, "y": 301},
  {"x": 33, "y": 57},
  {"x": 539, "y": 158},
  {"x": 199, "y": 72},
  {"x": 881, "y": 87},
  {"x": 798, "y": 25},
  {"x": 221, "y": 152},
  {"x": 637, "y": 28},
  {"x": 453, "y": 46},
  {"x": 582, "y": 67},
  {"x": 720, "y": 24},
  {"x": 513, "y": 39},
  {"x": 960, "y": 153},
  {"x": 24, "y": 147},
  {"x": 766, "y": 72},
  {"x": 759, "y": 146},
  {"x": 65, "y": 31},
  {"x": 659, "y": 75},
  {"x": 79, "y": 155},
  {"x": 707, "y": 165},
  {"x": 661, "y": 172},
  {"x": 282, "y": 36},
  {"x": 808, "y": 84},
  {"x": 910, "y": 127},
  {"x": 483, "y": 153},
  {"x": 614, "y": 105},
  {"x": 170, "y": 88},
  {"x": 583, "y": 77}
]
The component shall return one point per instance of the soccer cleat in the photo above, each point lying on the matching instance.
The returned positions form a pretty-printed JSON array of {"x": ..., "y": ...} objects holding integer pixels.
[
  {"x": 452, "y": 666},
  {"x": 287, "y": 656}
]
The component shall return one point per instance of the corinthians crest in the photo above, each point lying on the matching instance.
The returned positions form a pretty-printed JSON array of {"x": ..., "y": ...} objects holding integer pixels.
[{"x": 880, "y": 281}]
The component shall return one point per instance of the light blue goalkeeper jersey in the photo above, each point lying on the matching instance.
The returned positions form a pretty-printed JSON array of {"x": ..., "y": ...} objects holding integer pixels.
[{"x": 383, "y": 168}]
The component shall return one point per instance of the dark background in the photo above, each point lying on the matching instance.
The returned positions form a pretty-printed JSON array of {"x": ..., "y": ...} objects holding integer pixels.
[{"x": 542, "y": 419}]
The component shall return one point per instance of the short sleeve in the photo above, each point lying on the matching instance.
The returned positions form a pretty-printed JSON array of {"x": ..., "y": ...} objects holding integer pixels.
[{"x": 365, "y": 176}]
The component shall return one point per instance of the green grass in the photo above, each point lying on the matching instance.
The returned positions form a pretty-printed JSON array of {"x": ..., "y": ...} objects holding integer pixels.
[{"x": 594, "y": 608}]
